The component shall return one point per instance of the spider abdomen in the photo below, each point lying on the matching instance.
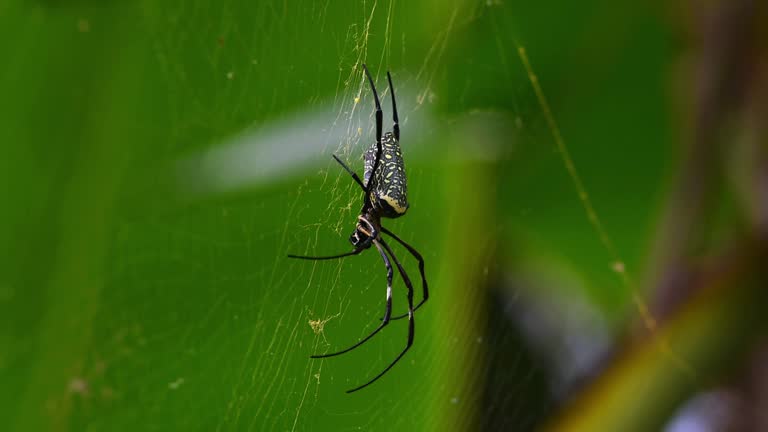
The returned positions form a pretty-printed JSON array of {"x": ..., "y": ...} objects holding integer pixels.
[{"x": 390, "y": 189}]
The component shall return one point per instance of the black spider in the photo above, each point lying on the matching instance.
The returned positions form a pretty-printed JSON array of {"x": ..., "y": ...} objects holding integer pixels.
[{"x": 385, "y": 191}]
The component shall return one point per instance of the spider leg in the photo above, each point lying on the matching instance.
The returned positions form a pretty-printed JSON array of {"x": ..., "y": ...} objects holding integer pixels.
[
  {"x": 379, "y": 115},
  {"x": 411, "y": 329},
  {"x": 352, "y": 173},
  {"x": 420, "y": 259},
  {"x": 387, "y": 312},
  {"x": 321, "y": 258},
  {"x": 396, "y": 127}
]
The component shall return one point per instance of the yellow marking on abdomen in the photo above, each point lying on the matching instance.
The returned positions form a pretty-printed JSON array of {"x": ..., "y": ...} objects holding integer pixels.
[{"x": 395, "y": 204}]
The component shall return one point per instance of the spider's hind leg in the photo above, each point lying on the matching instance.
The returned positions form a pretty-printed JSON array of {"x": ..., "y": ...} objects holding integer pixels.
[
  {"x": 396, "y": 126},
  {"x": 379, "y": 119},
  {"x": 352, "y": 173}
]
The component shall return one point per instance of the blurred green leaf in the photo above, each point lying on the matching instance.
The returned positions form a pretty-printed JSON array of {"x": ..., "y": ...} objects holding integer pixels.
[{"x": 160, "y": 160}]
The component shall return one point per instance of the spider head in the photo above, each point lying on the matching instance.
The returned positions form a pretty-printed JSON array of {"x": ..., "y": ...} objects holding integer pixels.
[
  {"x": 365, "y": 231},
  {"x": 360, "y": 238}
]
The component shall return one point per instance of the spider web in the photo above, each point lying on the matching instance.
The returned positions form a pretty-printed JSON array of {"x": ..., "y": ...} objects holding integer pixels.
[{"x": 203, "y": 323}]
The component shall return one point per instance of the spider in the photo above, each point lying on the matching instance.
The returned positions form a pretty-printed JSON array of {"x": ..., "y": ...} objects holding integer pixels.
[{"x": 384, "y": 188}]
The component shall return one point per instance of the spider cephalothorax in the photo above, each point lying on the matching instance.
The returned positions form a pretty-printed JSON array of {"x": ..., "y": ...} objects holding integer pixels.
[
  {"x": 384, "y": 195},
  {"x": 367, "y": 229}
]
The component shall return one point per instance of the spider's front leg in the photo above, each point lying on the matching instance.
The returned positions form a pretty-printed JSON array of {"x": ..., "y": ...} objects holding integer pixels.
[
  {"x": 387, "y": 311},
  {"x": 420, "y": 259},
  {"x": 411, "y": 323}
]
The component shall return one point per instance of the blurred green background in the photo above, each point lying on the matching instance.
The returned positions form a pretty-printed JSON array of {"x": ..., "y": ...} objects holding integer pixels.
[{"x": 160, "y": 160}]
